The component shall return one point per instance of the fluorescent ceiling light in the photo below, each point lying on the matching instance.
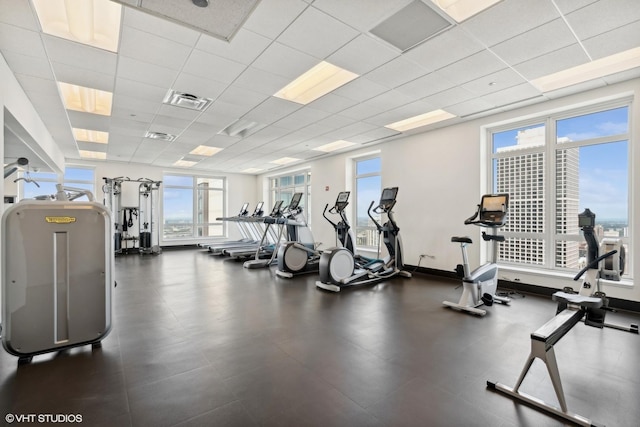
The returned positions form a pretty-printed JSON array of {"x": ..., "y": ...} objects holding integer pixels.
[
  {"x": 87, "y": 135},
  {"x": 333, "y": 146},
  {"x": 460, "y": 10},
  {"x": 421, "y": 120},
  {"x": 591, "y": 70},
  {"x": 318, "y": 81},
  {"x": 99, "y": 155},
  {"x": 184, "y": 163},
  {"x": 205, "y": 150},
  {"x": 86, "y": 99},
  {"x": 252, "y": 170},
  {"x": 284, "y": 161},
  {"x": 92, "y": 22}
]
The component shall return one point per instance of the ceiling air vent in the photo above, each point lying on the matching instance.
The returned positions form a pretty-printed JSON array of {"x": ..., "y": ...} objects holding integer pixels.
[
  {"x": 242, "y": 128},
  {"x": 160, "y": 136},
  {"x": 186, "y": 100},
  {"x": 410, "y": 26}
]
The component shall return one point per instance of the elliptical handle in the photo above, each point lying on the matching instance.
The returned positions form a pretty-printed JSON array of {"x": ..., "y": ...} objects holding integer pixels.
[
  {"x": 378, "y": 226},
  {"x": 324, "y": 214},
  {"x": 594, "y": 263}
]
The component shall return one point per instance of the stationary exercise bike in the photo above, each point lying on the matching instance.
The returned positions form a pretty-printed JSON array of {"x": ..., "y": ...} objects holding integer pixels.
[
  {"x": 338, "y": 267},
  {"x": 479, "y": 285}
]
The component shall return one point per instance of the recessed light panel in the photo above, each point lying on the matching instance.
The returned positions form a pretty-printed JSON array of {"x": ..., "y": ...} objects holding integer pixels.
[
  {"x": 99, "y": 155},
  {"x": 461, "y": 10},
  {"x": 184, "y": 163},
  {"x": 86, "y": 99},
  {"x": 92, "y": 22},
  {"x": 205, "y": 150},
  {"x": 591, "y": 70},
  {"x": 88, "y": 135},
  {"x": 318, "y": 81},
  {"x": 252, "y": 170},
  {"x": 284, "y": 161},
  {"x": 333, "y": 146},
  {"x": 420, "y": 120}
]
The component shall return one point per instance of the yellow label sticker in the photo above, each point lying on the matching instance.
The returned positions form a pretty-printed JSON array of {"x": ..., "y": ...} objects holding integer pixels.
[{"x": 60, "y": 219}]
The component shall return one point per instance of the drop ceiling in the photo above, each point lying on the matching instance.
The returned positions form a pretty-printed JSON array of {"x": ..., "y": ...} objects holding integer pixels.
[{"x": 481, "y": 65}]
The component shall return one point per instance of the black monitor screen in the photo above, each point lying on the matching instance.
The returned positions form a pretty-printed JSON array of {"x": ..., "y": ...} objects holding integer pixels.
[
  {"x": 258, "y": 208},
  {"x": 244, "y": 209},
  {"x": 586, "y": 221},
  {"x": 276, "y": 208},
  {"x": 388, "y": 195},
  {"x": 295, "y": 201},
  {"x": 343, "y": 196}
]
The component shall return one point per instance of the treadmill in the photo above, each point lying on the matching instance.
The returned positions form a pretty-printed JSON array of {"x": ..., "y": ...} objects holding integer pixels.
[{"x": 249, "y": 234}]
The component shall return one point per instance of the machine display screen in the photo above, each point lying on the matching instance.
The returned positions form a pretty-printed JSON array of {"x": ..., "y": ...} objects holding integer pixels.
[
  {"x": 343, "y": 196},
  {"x": 258, "y": 208},
  {"x": 388, "y": 195},
  {"x": 495, "y": 203},
  {"x": 295, "y": 201},
  {"x": 244, "y": 211},
  {"x": 276, "y": 208}
]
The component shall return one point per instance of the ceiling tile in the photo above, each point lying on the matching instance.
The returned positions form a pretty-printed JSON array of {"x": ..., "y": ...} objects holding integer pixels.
[
  {"x": 301, "y": 118},
  {"x": 87, "y": 78},
  {"x": 271, "y": 110},
  {"x": 29, "y": 65},
  {"x": 362, "y": 55},
  {"x": 20, "y": 40},
  {"x": 270, "y": 18},
  {"x": 494, "y": 82},
  {"x": 153, "y": 49},
  {"x": 140, "y": 90},
  {"x": 444, "y": 49},
  {"x": 333, "y": 103},
  {"x": 144, "y": 72},
  {"x": 245, "y": 47},
  {"x": 567, "y": 6},
  {"x": 614, "y": 41},
  {"x": 470, "y": 107},
  {"x": 454, "y": 95},
  {"x": 513, "y": 94},
  {"x": 400, "y": 113},
  {"x": 284, "y": 61},
  {"x": 316, "y": 33},
  {"x": 602, "y": 16},
  {"x": 18, "y": 14},
  {"x": 137, "y": 105},
  {"x": 480, "y": 64},
  {"x": 38, "y": 85},
  {"x": 199, "y": 86},
  {"x": 259, "y": 81},
  {"x": 211, "y": 66},
  {"x": 508, "y": 19},
  {"x": 79, "y": 55},
  {"x": 396, "y": 72},
  {"x": 149, "y": 23},
  {"x": 543, "y": 39},
  {"x": 88, "y": 121},
  {"x": 360, "y": 89},
  {"x": 123, "y": 126},
  {"x": 552, "y": 62},
  {"x": 361, "y": 14},
  {"x": 427, "y": 85},
  {"x": 171, "y": 112},
  {"x": 374, "y": 135}
]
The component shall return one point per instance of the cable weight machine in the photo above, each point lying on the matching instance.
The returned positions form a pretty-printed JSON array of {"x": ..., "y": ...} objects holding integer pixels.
[{"x": 135, "y": 228}]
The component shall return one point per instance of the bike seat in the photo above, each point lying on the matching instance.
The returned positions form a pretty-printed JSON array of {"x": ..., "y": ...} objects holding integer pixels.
[{"x": 461, "y": 239}]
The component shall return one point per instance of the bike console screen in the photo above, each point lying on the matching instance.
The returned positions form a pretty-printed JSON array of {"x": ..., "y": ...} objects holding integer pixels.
[{"x": 493, "y": 208}]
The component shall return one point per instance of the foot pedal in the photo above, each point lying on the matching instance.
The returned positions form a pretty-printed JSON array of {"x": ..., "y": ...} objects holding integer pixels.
[{"x": 487, "y": 299}]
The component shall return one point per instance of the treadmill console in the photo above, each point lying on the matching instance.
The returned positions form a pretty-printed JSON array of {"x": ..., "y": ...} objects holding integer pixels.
[
  {"x": 295, "y": 201},
  {"x": 493, "y": 209},
  {"x": 244, "y": 210},
  {"x": 258, "y": 210},
  {"x": 276, "y": 209}
]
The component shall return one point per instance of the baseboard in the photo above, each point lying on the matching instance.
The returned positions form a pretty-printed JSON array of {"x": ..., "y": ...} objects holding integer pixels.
[{"x": 524, "y": 288}]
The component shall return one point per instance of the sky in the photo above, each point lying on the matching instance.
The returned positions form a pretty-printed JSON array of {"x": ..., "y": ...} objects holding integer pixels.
[{"x": 604, "y": 168}]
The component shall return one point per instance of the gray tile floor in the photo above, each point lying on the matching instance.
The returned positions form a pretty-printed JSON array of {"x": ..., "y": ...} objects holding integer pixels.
[{"x": 200, "y": 341}]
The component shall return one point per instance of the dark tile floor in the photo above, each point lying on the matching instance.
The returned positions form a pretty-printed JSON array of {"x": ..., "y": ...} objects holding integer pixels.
[{"x": 200, "y": 341}]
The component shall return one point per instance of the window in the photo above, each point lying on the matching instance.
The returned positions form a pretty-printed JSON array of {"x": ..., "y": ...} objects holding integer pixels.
[
  {"x": 191, "y": 205},
  {"x": 77, "y": 177},
  {"x": 283, "y": 188},
  {"x": 555, "y": 167},
  {"x": 368, "y": 185}
]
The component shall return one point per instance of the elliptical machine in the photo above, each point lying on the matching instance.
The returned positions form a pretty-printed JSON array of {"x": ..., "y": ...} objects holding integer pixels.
[
  {"x": 479, "y": 285},
  {"x": 338, "y": 267},
  {"x": 344, "y": 234}
]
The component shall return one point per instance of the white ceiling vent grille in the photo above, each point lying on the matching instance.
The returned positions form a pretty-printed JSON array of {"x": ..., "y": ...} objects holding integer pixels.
[
  {"x": 410, "y": 26},
  {"x": 186, "y": 100},
  {"x": 160, "y": 136}
]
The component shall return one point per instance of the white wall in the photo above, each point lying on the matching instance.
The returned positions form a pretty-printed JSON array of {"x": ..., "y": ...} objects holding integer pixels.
[{"x": 439, "y": 175}]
